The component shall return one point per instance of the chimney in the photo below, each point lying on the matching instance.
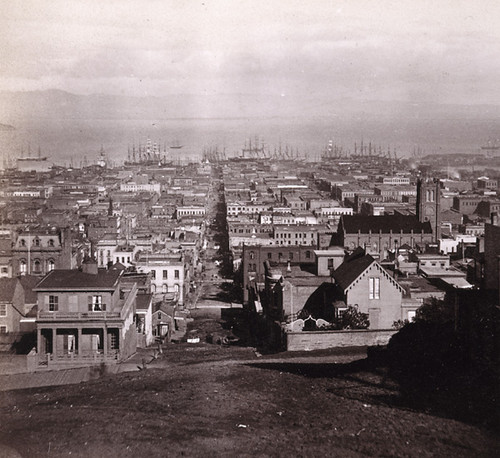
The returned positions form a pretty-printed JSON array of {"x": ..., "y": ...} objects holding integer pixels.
[
  {"x": 494, "y": 219},
  {"x": 89, "y": 266}
]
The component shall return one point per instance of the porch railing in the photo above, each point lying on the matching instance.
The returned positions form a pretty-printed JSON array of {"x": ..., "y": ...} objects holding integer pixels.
[
  {"x": 77, "y": 357},
  {"x": 75, "y": 316}
]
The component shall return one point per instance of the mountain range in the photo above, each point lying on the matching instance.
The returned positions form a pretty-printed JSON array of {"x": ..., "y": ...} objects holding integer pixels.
[{"x": 57, "y": 104}]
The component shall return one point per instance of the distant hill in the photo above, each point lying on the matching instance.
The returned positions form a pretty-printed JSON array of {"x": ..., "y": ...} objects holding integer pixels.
[{"x": 56, "y": 104}]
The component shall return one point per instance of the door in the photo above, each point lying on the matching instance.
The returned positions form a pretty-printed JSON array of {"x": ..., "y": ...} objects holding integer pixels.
[{"x": 374, "y": 317}]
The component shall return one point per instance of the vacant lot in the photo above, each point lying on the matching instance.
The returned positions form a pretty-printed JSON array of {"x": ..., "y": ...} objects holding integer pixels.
[{"x": 207, "y": 400}]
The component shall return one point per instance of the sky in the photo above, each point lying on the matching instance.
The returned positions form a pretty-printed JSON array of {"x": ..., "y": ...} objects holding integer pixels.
[{"x": 413, "y": 51}]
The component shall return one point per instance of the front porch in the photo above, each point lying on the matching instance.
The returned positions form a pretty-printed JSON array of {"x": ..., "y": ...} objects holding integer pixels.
[{"x": 60, "y": 345}]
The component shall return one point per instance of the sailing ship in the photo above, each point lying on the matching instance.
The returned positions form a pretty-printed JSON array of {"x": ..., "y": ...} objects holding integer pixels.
[{"x": 176, "y": 145}]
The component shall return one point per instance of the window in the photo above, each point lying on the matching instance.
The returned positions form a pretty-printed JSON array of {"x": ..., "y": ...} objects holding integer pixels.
[
  {"x": 5, "y": 270},
  {"x": 51, "y": 265},
  {"x": 3, "y": 329},
  {"x": 411, "y": 315},
  {"x": 308, "y": 254},
  {"x": 22, "y": 242},
  {"x": 252, "y": 255},
  {"x": 269, "y": 256},
  {"x": 176, "y": 273},
  {"x": 114, "y": 341},
  {"x": 290, "y": 256},
  {"x": 330, "y": 263},
  {"x": 164, "y": 289},
  {"x": 165, "y": 274},
  {"x": 37, "y": 266},
  {"x": 3, "y": 309},
  {"x": 341, "y": 311},
  {"x": 22, "y": 266},
  {"x": 51, "y": 242},
  {"x": 37, "y": 242},
  {"x": 153, "y": 274},
  {"x": 95, "y": 304},
  {"x": 53, "y": 303},
  {"x": 374, "y": 287}
]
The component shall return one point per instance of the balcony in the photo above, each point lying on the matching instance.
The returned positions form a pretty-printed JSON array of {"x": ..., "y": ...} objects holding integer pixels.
[{"x": 77, "y": 316}]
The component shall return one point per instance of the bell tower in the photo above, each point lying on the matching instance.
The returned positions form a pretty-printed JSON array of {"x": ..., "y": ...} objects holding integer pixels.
[{"x": 429, "y": 204}]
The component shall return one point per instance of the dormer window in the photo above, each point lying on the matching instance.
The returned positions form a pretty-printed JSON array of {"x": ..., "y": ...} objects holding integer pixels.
[
  {"x": 37, "y": 242},
  {"x": 51, "y": 242},
  {"x": 22, "y": 242}
]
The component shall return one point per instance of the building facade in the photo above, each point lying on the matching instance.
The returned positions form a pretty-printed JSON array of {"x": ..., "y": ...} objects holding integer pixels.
[{"x": 84, "y": 317}]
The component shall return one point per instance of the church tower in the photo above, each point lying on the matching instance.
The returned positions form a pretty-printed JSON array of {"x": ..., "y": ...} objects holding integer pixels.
[{"x": 429, "y": 204}]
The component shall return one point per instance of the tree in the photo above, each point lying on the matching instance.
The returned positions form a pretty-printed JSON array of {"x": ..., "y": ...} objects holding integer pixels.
[{"x": 352, "y": 318}]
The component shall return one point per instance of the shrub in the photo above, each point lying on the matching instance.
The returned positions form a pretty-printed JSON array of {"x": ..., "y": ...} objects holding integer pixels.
[{"x": 352, "y": 318}]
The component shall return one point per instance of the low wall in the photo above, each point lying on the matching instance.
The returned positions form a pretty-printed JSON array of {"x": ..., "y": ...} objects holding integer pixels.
[{"x": 319, "y": 340}]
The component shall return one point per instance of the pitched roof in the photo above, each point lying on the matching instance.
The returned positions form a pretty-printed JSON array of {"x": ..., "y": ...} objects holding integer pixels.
[
  {"x": 397, "y": 223},
  {"x": 143, "y": 301},
  {"x": 28, "y": 283},
  {"x": 351, "y": 269},
  {"x": 7, "y": 288},
  {"x": 76, "y": 279}
]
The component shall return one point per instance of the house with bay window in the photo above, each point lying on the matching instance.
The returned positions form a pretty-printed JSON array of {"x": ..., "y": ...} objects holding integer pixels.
[{"x": 84, "y": 317}]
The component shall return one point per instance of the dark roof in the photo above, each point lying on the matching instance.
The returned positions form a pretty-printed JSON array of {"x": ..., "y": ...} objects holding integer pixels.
[
  {"x": 29, "y": 282},
  {"x": 7, "y": 288},
  {"x": 397, "y": 223},
  {"x": 76, "y": 279},
  {"x": 143, "y": 301},
  {"x": 351, "y": 269},
  {"x": 163, "y": 307},
  {"x": 118, "y": 266}
]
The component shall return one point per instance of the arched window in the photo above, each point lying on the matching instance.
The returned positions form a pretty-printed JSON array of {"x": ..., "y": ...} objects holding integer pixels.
[
  {"x": 51, "y": 265},
  {"x": 164, "y": 289},
  {"x": 176, "y": 288},
  {"x": 252, "y": 255},
  {"x": 22, "y": 242},
  {"x": 51, "y": 242},
  {"x": 37, "y": 241},
  {"x": 22, "y": 266},
  {"x": 37, "y": 266}
]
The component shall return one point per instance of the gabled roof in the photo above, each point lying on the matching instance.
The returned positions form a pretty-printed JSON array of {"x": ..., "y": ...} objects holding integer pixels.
[
  {"x": 354, "y": 266},
  {"x": 76, "y": 279},
  {"x": 28, "y": 283},
  {"x": 118, "y": 266},
  {"x": 351, "y": 269},
  {"x": 397, "y": 223},
  {"x": 7, "y": 289}
]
